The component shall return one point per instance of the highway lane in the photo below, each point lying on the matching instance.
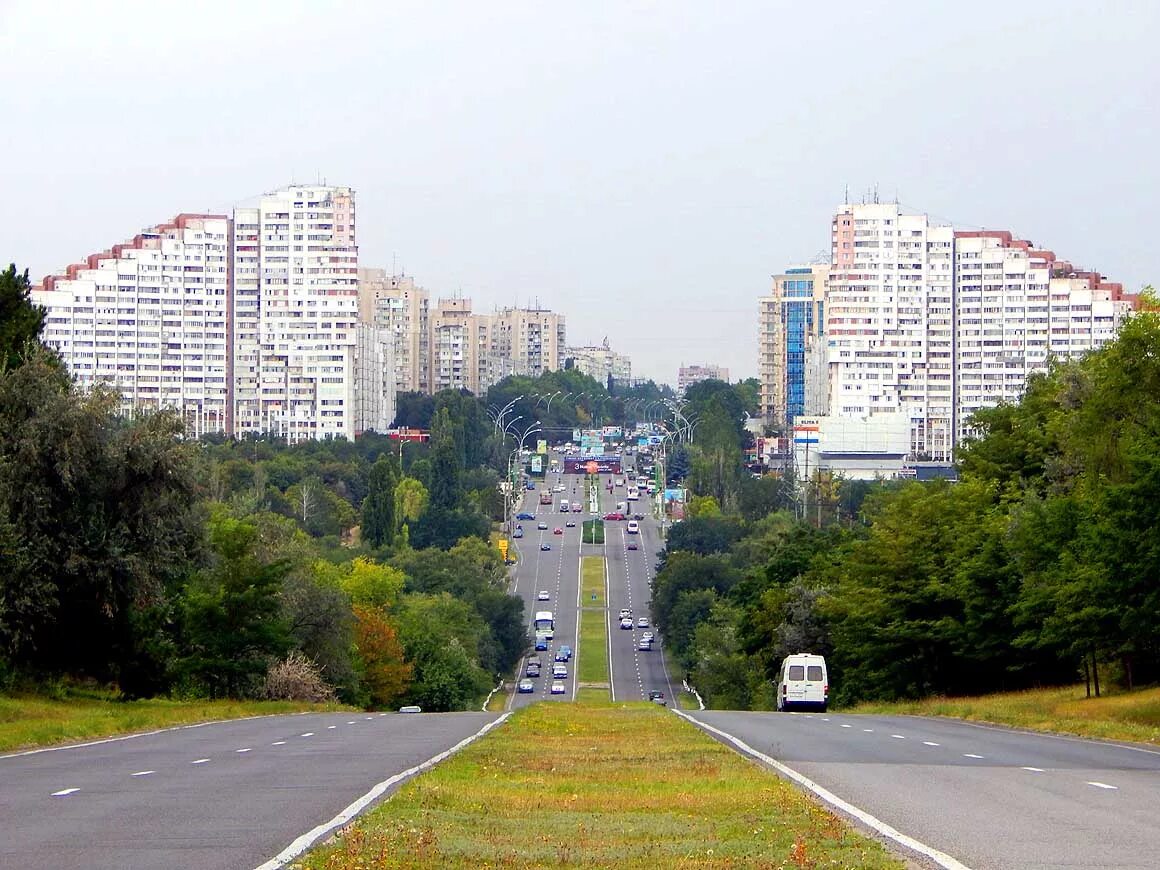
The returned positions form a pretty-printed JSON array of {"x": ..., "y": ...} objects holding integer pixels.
[
  {"x": 220, "y": 795},
  {"x": 989, "y": 797}
]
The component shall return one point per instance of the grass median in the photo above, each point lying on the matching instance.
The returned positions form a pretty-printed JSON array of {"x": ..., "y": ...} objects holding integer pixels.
[
  {"x": 592, "y": 666},
  {"x": 35, "y": 720},
  {"x": 618, "y": 785},
  {"x": 1131, "y": 716}
]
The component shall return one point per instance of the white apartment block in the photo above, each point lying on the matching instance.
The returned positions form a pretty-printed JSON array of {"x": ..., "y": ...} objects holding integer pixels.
[
  {"x": 374, "y": 373},
  {"x": 1017, "y": 308},
  {"x": 689, "y": 375},
  {"x": 532, "y": 338},
  {"x": 396, "y": 304},
  {"x": 451, "y": 346},
  {"x": 150, "y": 317},
  {"x": 890, "y": 322},
  {"x": 600, "y": 362},
  {"x": 296, "y": 312}
]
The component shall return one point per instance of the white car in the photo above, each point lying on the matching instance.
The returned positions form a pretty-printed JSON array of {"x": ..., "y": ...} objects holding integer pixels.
[
  {"x": 558, "y": 688},
  {"x": 642, "y": 622},
  {"x": 646, "y": 635},
  {"x": 559, "y": 671},
  {"x": 543, "y": 595},
  {"x": 625, "y": 613},
  {"x": 626, "y": 623}
]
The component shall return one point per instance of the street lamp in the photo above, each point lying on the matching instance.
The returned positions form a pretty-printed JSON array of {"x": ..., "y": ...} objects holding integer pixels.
[
  {"x": 511, "y": 502},
  {"x": 497, "y": 419}
]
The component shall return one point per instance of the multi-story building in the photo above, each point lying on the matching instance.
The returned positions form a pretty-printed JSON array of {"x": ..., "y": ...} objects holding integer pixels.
[
  {"x": 396, "y": 304},
  {"x": 1017, "y": 307},
  {"x": 689, "y": 375},
  {"x": 296, "y": 304},
  {"x": 532, "y": 338},
  {"x": 245, "y": 325},
  {"x": 792, "y": 346},
  {"x": 151, "y": 318},
  {"x": 374, "y": 373},
  {"x": 890, "y": 321},
  {"x": 599, "y": 362},
  {"x": 451, "y": 346}
]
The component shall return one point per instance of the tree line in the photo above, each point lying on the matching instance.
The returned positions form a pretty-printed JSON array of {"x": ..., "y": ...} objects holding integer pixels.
[{"x": 1039, "y": 566}]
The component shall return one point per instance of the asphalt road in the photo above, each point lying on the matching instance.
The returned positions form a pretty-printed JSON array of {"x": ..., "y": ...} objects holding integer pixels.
[
  {"x": 221, "y": 795},
  {"x": 988, "y": 797}
]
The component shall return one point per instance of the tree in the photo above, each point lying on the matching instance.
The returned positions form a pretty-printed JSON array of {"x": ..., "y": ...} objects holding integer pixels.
[
  {"x": 379, "y": 520},
  {"x": 385, "y": 674},
  {"x": 20, "y": 320},
  {"x": 446, "y": 465},
  {"x": 411, "y": 499}
]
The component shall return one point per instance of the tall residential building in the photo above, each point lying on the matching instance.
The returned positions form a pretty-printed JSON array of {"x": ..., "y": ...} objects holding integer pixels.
[
  {"x": 599, "y": 362},
  {"x": 296, "y": 312},
  {"x": 532, "y": 338},
  {"x": 1016, "y": 307},
  {"x": 890, "y": 321},
  {"x": 452, "y": 344},
  {"x": 396, "y": 304},
  {"x": 792, "y": 346},
  {"x": 245, "y": 325},
  {"x": 151, "y": 318},
  {"x": 689, "y": 375},
  {"x": 374, "y": 374}
]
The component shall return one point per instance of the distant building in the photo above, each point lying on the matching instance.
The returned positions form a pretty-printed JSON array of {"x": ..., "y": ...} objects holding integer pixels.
[
  {"x": 689, "y": 375},
  {"x": 396, "y": 304},
  {"x": 792, "y": 346},
  {"x": 599, "y": 362}
]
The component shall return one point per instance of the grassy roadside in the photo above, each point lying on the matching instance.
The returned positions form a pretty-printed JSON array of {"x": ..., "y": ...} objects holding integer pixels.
[
  {"x": 1133, "y": 716},
  {"x": 32, "y": 720},
  {"x": 624, "y": 785},
  {"x": 592, "y": 665}
]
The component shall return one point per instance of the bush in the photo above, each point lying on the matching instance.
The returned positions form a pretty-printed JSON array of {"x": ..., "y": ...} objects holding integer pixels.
[{"x": 296, "y": 678}]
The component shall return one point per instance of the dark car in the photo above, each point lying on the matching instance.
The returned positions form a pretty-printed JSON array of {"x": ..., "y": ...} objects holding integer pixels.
[
  {"x": 532, "y": 670},
  {"x": 561, "y": 656},
  {"x": 632, "y": 545},
  {"x": 638, "y": 517},
  {"x": 545, "y": 546},
  {"x": 657, "y": 697},
  {"x": 527, "y": 686},
  {"x": 525, "y": 516}
]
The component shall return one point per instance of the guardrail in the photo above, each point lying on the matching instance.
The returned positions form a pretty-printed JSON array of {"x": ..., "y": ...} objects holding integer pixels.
[{"x": 684, "y": 685}]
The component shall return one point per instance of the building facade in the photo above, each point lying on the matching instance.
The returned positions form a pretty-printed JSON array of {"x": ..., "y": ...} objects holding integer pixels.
[
  {"x": 599, "y": 362},
  {"x": 532, "y": 338},
  {"x": 792, "y": 346},
  {"x": 689, "y": 375},
  {"x": 396, "y": 304},
  {"x": 451, "y": 346}
]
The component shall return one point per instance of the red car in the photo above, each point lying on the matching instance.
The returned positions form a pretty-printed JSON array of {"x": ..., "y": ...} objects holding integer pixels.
[
  {"x": 615, "y": 515},
  {"x": 557, "y": 531}
]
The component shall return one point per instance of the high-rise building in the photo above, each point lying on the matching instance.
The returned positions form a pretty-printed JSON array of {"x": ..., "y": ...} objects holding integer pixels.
[
  {"x": 890, "y": 321},
  {"x": 532, "y": 338},
  {"x": 245, "y": 325},
  {"x": 452, "y": 346},
  {"x": 151, "y": 318},
  {"x": 792, "y": 346},
  {"x": 396, "y": 304},
  {"x": 600, "y": 362},
  {"x": 689, "y": 375},
  {"x": 374, "y": 373}
]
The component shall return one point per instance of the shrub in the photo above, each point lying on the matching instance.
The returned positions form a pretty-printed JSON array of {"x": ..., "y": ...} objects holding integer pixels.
[{"x": 296, "y": 678}]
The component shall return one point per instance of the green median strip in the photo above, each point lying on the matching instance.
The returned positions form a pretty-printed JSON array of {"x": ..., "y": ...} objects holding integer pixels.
[
  {"x": 592, "y": 657},
  {"x": 592, "y": 581},
  {"x": 619, "y": 785}
]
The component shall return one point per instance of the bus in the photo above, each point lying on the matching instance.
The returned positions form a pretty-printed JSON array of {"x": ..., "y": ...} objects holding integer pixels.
[{"x": 544, "y": 623}]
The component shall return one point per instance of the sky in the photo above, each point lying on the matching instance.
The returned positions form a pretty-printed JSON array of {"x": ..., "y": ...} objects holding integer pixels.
[{"x": 642, "y": 168}]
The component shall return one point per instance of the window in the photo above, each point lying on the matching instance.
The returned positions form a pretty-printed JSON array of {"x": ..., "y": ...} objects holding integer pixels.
[
  {"x": 797, "y": 672},
  {"x": 814, "y": 673}
]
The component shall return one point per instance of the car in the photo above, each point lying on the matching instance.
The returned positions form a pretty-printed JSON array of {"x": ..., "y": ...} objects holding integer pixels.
[
  {"x": 657, "y": 697},
  {"x": 625, "y": 613},
  {"x": 524, "y": 515},
  {"x": 532, "y": 670},
  {"x": 633, "y": 527},
  {"x": 559, "y": 487},
  {"x": 571, "y": 524},
  {"x": 561, "y": 656},
  {"x": 543, "y": 595},
  {"x": 566, "y": 650},
  {"x": 558, "y": 688},
  {"x": 647, "y": 635},
  {"x": 411, "y": 708},
  {"x": 645, "y": 645},
  {"x": 632, "y": 545},
  {"x": 638, "y": 517},
  {"x": 519, "y": 532},
  {"x": 541, "y": 525},
  {"x": 620, "y": 481},
  {"x": 526, "y": 687},
  {"x": 614, "y": 515},
  {"x": 557, "y": 531},
  {"x": 626, "y": 623},
  {"x": 544, "y": 547},
  {"x": 531, "y": 487},
  {"x": 559, "y": 671},
  {"x": 642, "y": 622},
  {"x": 541, "y": 643}
]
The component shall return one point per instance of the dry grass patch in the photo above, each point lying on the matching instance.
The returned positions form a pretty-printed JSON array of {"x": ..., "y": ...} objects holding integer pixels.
[
  {"x": 619, "y": 785},
  {"x": 1131, "y": 716}
]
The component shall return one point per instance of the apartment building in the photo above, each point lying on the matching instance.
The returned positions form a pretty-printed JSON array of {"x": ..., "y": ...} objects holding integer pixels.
[
  {"x": 689, "y": 375},
  {"x": 452, "y": 343},
  {"x": 600, "y": 362},
  {"x": 890, "y": 321},
  {"x": 151, "y": 318},
  {"x": 533, "y": 338},
  {"x": 792, "y": 346},
  {"x": 374, "y": 374},
  {"x": 1017, "y": 307},
  {"x": 396, "y": 304}
]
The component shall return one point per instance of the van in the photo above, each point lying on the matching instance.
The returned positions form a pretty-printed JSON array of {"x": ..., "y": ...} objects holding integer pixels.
[{"x": 803, "y": 683}]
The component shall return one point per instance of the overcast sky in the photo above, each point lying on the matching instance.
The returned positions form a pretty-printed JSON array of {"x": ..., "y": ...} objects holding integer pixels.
[{"x": 642, "y": 168}]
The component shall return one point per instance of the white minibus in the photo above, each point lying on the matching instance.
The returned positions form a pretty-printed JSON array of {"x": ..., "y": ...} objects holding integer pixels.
[{"x": 803, "y": 683}]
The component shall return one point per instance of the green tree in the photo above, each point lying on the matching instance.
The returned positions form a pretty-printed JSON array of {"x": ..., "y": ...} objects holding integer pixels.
[
  {"x": 379, "y": 520},
  {"x": 446, "y": 464},
  {"x": 20, "y": 320}
]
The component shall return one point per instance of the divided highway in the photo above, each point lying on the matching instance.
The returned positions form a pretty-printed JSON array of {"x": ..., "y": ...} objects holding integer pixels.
[
  {"x": 221, "y": 795},
  {"x": 987, "y": 797}
]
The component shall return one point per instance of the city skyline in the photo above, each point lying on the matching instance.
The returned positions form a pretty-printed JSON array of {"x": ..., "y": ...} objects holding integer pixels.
[{"x": 642, "y": 174}]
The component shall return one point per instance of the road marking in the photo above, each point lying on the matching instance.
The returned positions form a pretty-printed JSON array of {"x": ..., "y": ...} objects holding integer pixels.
[
  {"x": 1104, "y": 785},
  {"x": 200, "y": 761},
  {"x": 898, "y": 736},
  {"x": 940, "y": 858},
  {"x": 824, "y": 719},
  {"x": 930, "y": 743},
  {"x": 143, "y": 773},
  {"x": 278, "y": 743},
  {"x": 971, "y": 755},
  {"x": 307, "y": 734},
  {"x": 65, "y": 791},
  {"x": 331, "y": 727},
  {"x": 351, "y": 722},
  {"x": 846, "y": 726},
  {"x": 247, "y": 749},
  {"x": 868, "y": 730},
  {"x": 1033, "y": 769},
  {"x": 370, "y": 718},
  {"x": 304, "y": 842}
]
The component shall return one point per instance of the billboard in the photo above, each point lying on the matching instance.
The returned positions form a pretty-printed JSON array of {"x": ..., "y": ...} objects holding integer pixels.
[
  {"x": 576, "y": 436},
  {"x": 612, "y": 432},
  {"x": 580, "y": 464},
  {"x": 592, "y": 442},
  {"x": 677, "y": 495},
  {"x": 541, "y": 447},
  {"x": 537, "y": 463}
]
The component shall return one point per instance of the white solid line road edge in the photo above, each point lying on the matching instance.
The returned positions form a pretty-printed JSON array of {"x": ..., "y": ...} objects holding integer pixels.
[
  {"x": 940, "y": 858},
  {"x": 308, "y": 839}
]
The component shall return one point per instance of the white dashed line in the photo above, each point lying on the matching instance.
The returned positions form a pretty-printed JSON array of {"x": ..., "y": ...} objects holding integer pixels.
[
  {"x": 277, "y": 743},
  {"x": 65, "y": 791},
  {"x": 143, "y": 773},
  {"x": 247, "y": 749},
  {"x": 307, "y": 734},
  {"x": 1104, "y": 785},
  {"x": 200, "y": 761},
  {"x": 971, "y": 755},
  {"x": 898, "y": 736},
  {"x": 331, "y": 727},
  {"x": 930, "y": 743},
  {"x": 351, "y": 722},
  {"x": 1033, "y": 769},
  {"x": 824, "y": 719},
  {"x": 847, "y": 726},
  {"x": 868, "y": 730},
  {"x": 369, "y": 718}
]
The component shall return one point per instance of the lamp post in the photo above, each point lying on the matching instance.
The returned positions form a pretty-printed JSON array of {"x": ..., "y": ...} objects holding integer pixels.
[{"x": 511, "y": 502}]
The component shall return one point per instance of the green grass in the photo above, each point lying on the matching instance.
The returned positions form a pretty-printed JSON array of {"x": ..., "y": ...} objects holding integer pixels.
[
  {"x": 592, "y": 581},
  {"x": 1118, "y": 716},
  {"x": 618, "y": 785},
  {"x": 35, "y": 720},
  {"x": 592, "y": 532},
  {"x": 592, "y": 660}
]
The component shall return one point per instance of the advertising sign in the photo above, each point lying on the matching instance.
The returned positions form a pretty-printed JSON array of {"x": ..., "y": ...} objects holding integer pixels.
[
  {"x": 655, "y": 439},
  {"x": 677, "y": 495},
  {"x": 612, "y": 432},
  {"x": 537, "y": 463},
  {"x": 541, "y": 446},
  {"x": 581, "y": 464},
  {"x": 642, "y": 441},
  {"x": 592, "y": 442},
  {"x": 576, "y": 436}
]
